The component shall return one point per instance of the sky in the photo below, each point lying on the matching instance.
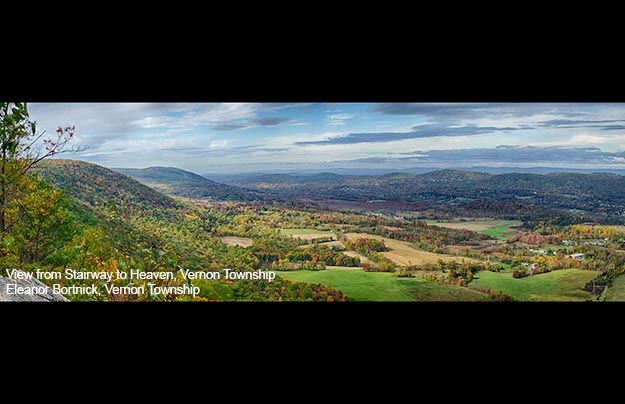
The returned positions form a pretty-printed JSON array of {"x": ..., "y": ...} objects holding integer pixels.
[{"x": 263, "y": 137}]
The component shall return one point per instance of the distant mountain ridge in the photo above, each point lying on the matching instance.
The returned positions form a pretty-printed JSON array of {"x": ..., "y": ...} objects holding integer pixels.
[
  {"x": 237, "y": 178},
  {"x": 175, "y": 181},
  {"x": 596, "y": 192}
]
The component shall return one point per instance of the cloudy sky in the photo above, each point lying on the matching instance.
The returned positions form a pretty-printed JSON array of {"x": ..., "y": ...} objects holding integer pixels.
[{"x": 240, "y": 137}]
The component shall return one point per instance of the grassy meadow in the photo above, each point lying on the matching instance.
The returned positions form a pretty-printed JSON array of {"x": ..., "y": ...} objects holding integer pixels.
[
  {"x": 616, "y": 292},
  {"x": 561, "y": 285},
  {"x": 491, "y": 227},
  {"x": 383, "y": 286}
]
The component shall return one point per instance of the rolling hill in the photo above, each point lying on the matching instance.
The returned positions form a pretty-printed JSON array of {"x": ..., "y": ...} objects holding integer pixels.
[
  {"x": 174, "y": 181},
  {"x": 458, "y": 191},
  {"x": 451, "y": 183},
  {"x": 98, "y": 186},
  {"x": 101, "y": 198}
]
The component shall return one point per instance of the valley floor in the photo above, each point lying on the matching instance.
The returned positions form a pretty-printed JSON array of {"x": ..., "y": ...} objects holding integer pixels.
[{"x": 383, "y": 286}]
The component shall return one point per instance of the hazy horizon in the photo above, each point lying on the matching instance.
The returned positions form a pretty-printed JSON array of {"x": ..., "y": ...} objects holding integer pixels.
[
  {"x": 384, "y": 171},
  {"x": 270, "y": 137}
]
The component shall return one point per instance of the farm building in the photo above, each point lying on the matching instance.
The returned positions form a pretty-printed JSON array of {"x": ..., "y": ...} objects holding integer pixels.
[{"x": 577, "y": 256}]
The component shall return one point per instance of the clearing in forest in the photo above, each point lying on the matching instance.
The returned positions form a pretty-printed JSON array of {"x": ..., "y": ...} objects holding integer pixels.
[
  {"x": 308, "y": 234},
  {"x": 240, "y": 241}
]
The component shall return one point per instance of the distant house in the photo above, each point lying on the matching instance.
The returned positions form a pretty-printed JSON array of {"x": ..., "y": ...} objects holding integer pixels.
[
  {"x": 577, "y": 256},
  {"x": 534, "y": 266}
]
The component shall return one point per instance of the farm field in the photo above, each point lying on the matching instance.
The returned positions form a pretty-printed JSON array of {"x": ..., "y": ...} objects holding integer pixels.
[
  {"x": 490, "y": 227},
  {"x": 240, "y": 241},
  {"x": 499, "y": 232},
  {"x": 307, "y": 234},
  {"x": 383, "y": 286},
  {"x": 561, "y": 285},
  {"x": 403, "y": 253},
  {"x": 616, "y": 293},
  {"x": 304, "y": 231},
  {"x": 326, "y": 243}
]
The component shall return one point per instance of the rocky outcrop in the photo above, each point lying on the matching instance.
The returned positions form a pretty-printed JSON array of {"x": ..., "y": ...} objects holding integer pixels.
[{"x": 38, "y": 291}]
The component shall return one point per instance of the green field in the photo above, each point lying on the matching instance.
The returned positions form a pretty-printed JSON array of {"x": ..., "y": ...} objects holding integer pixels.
[
  {"x": 562, "y": 285},
  {"x": 303, "y": 231},
  {"x": 498, "y": 231},
  {"x": 380, "y": 286},
  {"x": 616, "y": 292},
  {"x": 491, "y": 227}
]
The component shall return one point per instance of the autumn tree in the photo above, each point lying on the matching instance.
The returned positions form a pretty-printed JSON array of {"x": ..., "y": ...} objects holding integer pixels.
[
  {"x": 42, "y": 222},
  {"x": 21, "y": 148}
]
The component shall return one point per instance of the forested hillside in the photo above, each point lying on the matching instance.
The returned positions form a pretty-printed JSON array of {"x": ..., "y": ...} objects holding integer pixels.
[{"x": 98, "y": 186}]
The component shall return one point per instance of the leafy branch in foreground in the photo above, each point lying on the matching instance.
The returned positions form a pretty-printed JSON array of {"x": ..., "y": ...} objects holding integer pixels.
[{"x": 21, "y": 147}]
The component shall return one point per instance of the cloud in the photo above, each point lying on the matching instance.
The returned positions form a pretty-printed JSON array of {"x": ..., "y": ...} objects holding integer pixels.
[
  {"x": 218, "y": 144},
  {"x": 462, "y": 119},
  {"x": 439, "y": 109},
  {"x": 158, "y": 122},
  {"x": 231, "y": 126},
  {"x": 197, "y": 136},
  {"x": 457, "y": 111},
  {"x": 111, "y": 119},
  {"x": 256, "y": 148},
  {"x": 252, "y": 123},
  {"x": 122, "y": 119},
  {"x": 270, "y": 121},
  {"x": 420, "y": 131},
  {"x": 504, "y": 154},
  {"x": 214, "y": 113},
  {"x": 572, "y": 123},
  {"x": 338, "y": 119}
]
